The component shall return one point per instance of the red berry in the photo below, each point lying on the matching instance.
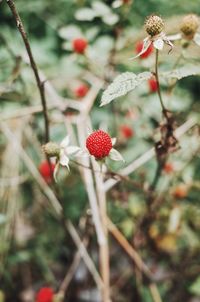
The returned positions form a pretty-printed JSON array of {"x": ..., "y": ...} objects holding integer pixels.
[
  {"x": 79, "y": 45},
  {"x": 153, "y": 85},
  {"x": 168, "y": 168},
  {"x": 126, "y": 131},
  {"x": 181, "y": 191},
  {"x": 45, "y": 294},
  {"x": 99, "y": 144},
  {"x": 45, "y": 171},
  {"x": 147, "y": 53},
  {"x": 81, "y": 91}
]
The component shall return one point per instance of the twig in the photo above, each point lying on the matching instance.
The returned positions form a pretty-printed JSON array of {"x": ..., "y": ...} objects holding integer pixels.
[
  {"x": 164, "y": 110},
  {"x": 136, "y": 258},
  {"x": 89, "y": 183},
  {"x": 128, "y": 248},
  {"x": 54, "y": 201},
  {"x": 32, "y": 168},
  {"x": 148, "y": 154},
  {"x": 104, "y": 248},
  {"x": 40, "y": 84},
  {"x": 70, "y": 273},
  {"x": 155, "y": 293},
  {"x": 83, "y": 251}
]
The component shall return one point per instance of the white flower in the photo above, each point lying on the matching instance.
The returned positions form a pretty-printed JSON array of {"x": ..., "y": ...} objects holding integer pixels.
[
  {"x": 180, "y": 36},
  {"x": 65, "y": 151},
  {"x": 158, "y": 42}
]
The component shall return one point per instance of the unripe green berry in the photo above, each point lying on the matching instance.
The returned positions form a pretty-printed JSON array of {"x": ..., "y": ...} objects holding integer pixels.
[
  {"x": 154, "y": 25},
  {"x": 51, "y": 149},
  {"x": 189, "y": 25}
]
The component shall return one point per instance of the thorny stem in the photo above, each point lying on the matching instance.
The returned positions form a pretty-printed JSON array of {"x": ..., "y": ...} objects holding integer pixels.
[
  {"x": 164, "y": 110},
  {"x": 40, "y": 84}
]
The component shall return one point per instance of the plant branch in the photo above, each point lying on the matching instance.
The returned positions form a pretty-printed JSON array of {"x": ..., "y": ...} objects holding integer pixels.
[
  {"x": 164, "y": 110},
  {"x": 104, "y": 248},
  {"x": 40, "y": 84}
]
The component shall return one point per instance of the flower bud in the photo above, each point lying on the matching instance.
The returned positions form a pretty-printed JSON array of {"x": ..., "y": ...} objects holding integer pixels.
[
  {"x": 189, "y": 25},
  {"x": 51, "y": 149},
  {"x": 154, "y": 25}
]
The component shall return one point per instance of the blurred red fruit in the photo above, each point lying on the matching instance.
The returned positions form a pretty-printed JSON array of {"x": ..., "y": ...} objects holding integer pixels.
[
  {"x": 45, "y": 294},
  {"x": 153, "y": 86},
  {"x": 79, "y": 45},
  {"x": 81, "y": 91},
  {"x": 45, "y": 171},
  {"x": 126, "y": 131},
  {"x": 147, "y": 53},
  {"x": 168, "y": 168},
  {"x": 181, "y": 191}
]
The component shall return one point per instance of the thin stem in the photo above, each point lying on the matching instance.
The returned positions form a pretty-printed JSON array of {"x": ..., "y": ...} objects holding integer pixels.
[
  {"x": 104, "y": 248},
  {"x": 40, "y": 84},
  {"x": 164, "y": 110}
]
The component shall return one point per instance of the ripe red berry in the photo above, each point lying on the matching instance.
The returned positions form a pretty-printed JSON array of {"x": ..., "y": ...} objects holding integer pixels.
[
  {"x": 99, "y": 144},
  {"x": 153, "y": 85},
  {"x": 168, "y": 168},
  {"x": 81, "y": 91},
  {"x": 181, "y": 191},
  {"x": 147, "y": 53},
  {"x": 45, "y": 294},
  {"x": 126, "y": 131},
  {"x": 45, "y": 171},
  {"x": 79, "y": 45}
]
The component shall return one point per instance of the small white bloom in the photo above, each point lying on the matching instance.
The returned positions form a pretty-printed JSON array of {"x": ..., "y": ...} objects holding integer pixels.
[
  {"x": 180, "y": 36},
  {"x": 65, "y": 151},
  {"x": 158, "y": 42}
]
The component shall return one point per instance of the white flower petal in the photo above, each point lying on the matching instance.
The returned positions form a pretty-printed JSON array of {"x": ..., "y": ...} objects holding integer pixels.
[
  {"x": 115, "y": 155},
  {"x": 196, "y": 39},
  {"x": 146, "y": 44},
  {"x": 72, "y": 150},
  {"x": 55, "y": 171},
  {"x": 158, "y": 44},
  {"x": 113, "y": 139},
  {"x": 65, "y": 142},
  {"x": 174, "y": 37},
  {"x": 64, "y": 161},
  {"x": 168, "y": 42},
  {"x": 117, "y": 3}
]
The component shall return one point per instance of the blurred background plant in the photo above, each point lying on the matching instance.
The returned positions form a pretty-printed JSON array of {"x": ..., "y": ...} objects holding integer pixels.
[{"x": 38, "y": 249}]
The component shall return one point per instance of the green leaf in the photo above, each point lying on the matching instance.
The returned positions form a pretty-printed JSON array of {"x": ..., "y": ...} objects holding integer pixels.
[
  {"x": 123, "y": 84},
  {"x": 195, "y": 287},
  {"x": 100, "y": 8},
  {"x": 182, "y": 72},
  {"x": 85, "y": 14},
  {"x": 70, "y": 32}
]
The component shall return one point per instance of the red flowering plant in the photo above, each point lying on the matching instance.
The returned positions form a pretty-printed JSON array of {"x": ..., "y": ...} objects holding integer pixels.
[{"x": 128, "y": 191}]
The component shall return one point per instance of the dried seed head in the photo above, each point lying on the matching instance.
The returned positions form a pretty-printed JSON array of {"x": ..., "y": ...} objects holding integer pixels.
[
  {"x": 189, "y": 25},
  {"x": 154, "y": 25},
  {"x": 51, "y": 149}
]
